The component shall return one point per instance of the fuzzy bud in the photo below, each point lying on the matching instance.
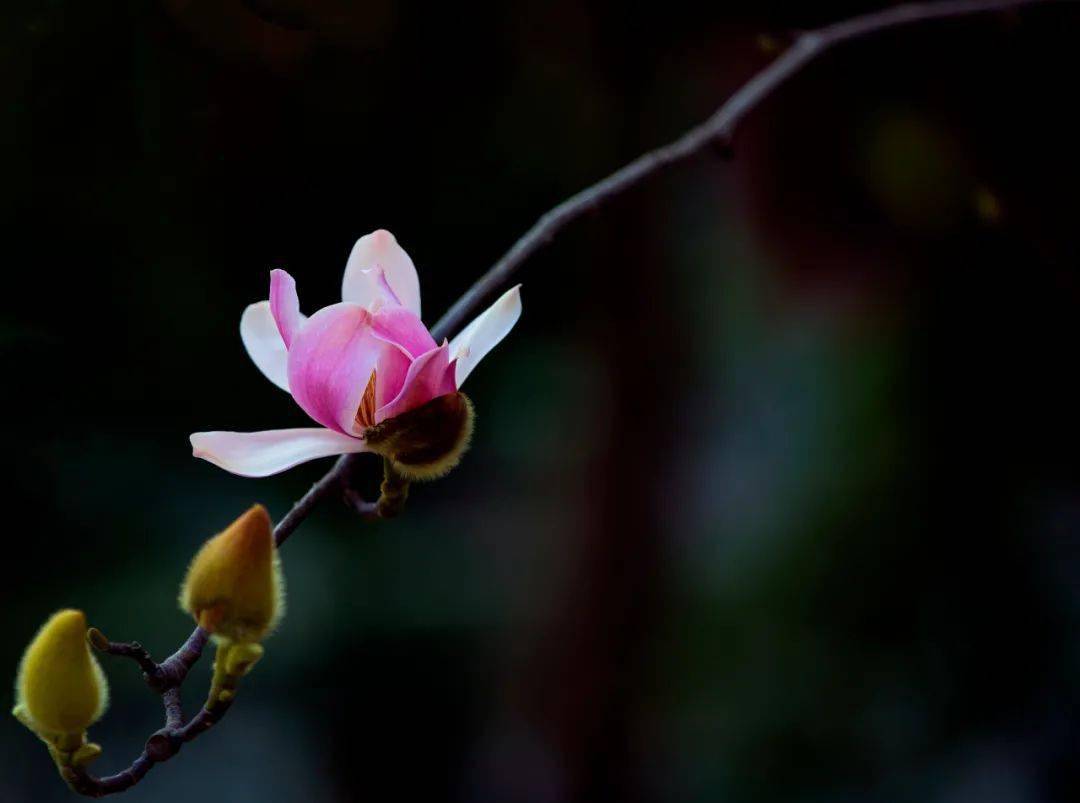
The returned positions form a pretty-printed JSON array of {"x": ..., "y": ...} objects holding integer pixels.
[
  {"x": 60, "y": 690},
  {"x": 425, "y": 443},
  {"x": 234, "y": 587}
]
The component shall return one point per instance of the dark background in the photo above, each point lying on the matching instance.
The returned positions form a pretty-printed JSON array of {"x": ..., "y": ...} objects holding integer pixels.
[{"x": 774, "y": 494}]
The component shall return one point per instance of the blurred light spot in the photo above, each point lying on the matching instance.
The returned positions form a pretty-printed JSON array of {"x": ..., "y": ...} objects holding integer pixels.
[
  {"x": 768, "y": 44},
  {"x": 987, "y": 205},
  {"x": 914, "y": 171}
]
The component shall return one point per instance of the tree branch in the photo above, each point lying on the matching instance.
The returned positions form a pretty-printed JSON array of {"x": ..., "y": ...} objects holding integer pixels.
[
  {"x": 331, "y": 481},
  {"x": 713, "y": 132},
  {"x": 167, "y": 677}
]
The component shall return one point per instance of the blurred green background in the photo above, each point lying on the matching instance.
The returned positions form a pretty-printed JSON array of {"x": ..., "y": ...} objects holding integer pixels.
[{"x": 774, "y": 494}]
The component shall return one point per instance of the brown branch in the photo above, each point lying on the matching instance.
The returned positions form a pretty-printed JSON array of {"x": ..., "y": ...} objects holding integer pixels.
[
  {"x": 331, "y": 481},
  {"x": 167, "y": 677},
  {"x": 393, "y": 492},
  {"x": 715, "y": 132}
]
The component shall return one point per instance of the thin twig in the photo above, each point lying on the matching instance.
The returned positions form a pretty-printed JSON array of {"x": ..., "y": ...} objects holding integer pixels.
[
  {"x": 131, "y": 649},
  {"x": 167, "y": 678}
]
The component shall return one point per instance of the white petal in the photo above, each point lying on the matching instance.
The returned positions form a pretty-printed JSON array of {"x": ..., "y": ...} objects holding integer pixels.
[
  {"x": 260, "y": 454},
  {"x": 375, "y": 262},
  {"x": 264, "y": 344},
  {"x": 485, "y": 332}
]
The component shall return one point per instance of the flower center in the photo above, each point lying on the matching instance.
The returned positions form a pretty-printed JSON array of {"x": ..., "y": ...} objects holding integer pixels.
[
  {"x": 365, "y": 413},
  {"x": 427, "y": 441}
]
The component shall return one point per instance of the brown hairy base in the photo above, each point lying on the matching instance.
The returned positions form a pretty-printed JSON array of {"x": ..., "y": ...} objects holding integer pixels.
[{"x": 427, "y": 442}]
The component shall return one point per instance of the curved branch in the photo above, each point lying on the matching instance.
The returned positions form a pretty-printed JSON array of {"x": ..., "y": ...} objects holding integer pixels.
[
  {"x": 167, "y": 678},
  {"x": 717, "y": 130}
]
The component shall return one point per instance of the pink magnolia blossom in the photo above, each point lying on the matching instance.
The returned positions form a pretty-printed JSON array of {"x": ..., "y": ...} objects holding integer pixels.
[{"x": 351, "y": 365}]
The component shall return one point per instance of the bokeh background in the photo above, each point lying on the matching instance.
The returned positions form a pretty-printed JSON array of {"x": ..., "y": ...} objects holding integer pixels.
[{"x": 775, "y": 492}]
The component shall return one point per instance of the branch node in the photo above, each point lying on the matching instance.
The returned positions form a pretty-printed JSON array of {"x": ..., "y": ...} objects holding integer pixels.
[
  {"x": 368, "y": 511},
  {"x": 162, "y": 745}
]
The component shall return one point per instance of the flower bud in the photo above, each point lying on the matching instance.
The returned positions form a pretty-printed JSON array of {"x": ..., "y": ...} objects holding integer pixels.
[
  {"x": 60, "y": 690},
  {"x": 427, "y": 442},
  {"x": 233, "y": 587}
]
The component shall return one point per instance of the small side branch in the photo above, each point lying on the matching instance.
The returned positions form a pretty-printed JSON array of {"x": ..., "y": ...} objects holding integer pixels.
[
  {"x": 393, "y": 492},
  {"x": 132, "y": 649},
  {"x": 166, "y": 679},
  {"x": 160, "y": 677}
]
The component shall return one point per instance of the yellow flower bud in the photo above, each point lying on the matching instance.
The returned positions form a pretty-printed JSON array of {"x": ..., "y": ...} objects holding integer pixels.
[
  {"x": 233, "y": 587},
  {"x": 60, "y": 690},
  {"x": 425, "y": 443}
]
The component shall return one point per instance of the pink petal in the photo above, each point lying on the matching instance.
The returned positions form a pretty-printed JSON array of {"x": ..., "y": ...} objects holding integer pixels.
[
  {"x": 390, "y": 377},
  {"x": 485, "y": 332},
  {"x": 260, "y": 454},
  {"x": 285, "y": 305},
  {"x": 431, "y": 375},
  {"x": 330, "y": 364},
  {"x": 379, "y": 272},
  {"x": 401, "y": 327},
  {"x": 264, "y": 344}
]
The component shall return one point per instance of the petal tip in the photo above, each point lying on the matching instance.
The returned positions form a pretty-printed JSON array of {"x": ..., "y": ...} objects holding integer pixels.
[{"x": 284, "y": 304}]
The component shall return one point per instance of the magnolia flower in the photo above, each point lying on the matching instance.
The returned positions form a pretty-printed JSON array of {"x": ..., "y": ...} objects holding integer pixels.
[{"x": 356, "y": 367}]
